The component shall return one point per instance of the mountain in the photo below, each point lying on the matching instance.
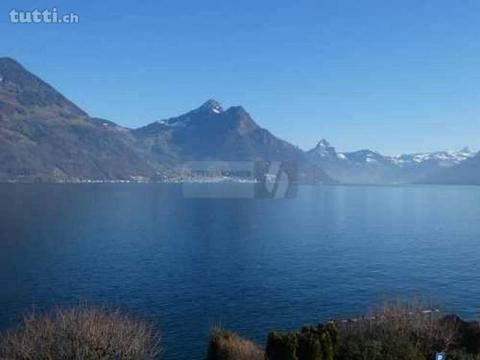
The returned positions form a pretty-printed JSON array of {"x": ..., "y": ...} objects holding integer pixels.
[
  {"x": 370, "y": 167},
  {"x": 465, "y": 173},
  {"x": 213, "y": 133},
  {"x": 442, "y": 159},
  {"x": 44, "y": 136},
  {"x": 20, "y": 90},
  {"x": 210, "y": 132}
]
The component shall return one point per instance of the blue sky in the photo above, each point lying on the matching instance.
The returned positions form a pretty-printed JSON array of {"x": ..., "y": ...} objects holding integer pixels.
[{"x": 394, "y": 76}]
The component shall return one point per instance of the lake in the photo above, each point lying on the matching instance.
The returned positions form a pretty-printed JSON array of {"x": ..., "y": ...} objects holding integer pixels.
[{"x": 249, "y": 265}]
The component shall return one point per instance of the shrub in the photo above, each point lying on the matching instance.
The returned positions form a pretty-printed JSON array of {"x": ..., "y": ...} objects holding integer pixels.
[
  {"x": 312, "y": 343},
  {"x": 225, "y": 345},
  {"x": 282, "y": 346},
  {"x": 397, "y": 331},
  {"x": 467, "y": 334},
  {"x": 80, "y": 333},
  {"x": 461, "y": 355}
]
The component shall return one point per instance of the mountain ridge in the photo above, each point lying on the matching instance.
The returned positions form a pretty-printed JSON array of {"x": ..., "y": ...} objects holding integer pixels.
[
  {"x": 367, "y": 166},
  {"x": 46, "y": 137},
  {"x": 451, "y": 157}
]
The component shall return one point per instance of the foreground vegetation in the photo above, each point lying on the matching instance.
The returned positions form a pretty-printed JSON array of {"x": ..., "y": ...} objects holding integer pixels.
[
  {"x": 394, "y": 332},
  {"x": 79, "y": 334}
]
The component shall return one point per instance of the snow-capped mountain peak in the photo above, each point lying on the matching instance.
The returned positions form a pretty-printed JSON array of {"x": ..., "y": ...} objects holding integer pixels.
[
  {"x": 324, "y": 150},
  {"x": 367, "y": 166},
  {"x": 206, "y": 110},
  {"x": 441, "y": 158},
  {"x": 212, "y": 105},
  {"x": 323, "y": 144}
]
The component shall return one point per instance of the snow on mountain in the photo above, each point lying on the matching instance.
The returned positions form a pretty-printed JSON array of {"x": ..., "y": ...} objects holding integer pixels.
[
  {"x": 208, "y": 109},
  {"x": 324, "y": 151},
  {"x": 370, "y": 167},
  {"x": 442, "y": 158}
]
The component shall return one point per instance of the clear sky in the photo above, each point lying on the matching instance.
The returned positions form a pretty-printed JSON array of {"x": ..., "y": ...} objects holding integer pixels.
[{"x": 394, "y": 76}]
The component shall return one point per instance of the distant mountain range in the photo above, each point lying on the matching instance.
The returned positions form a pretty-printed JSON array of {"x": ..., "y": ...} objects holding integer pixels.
[
  {"x": 45, "y": 137},
  {"x": 370, "y": 167}
]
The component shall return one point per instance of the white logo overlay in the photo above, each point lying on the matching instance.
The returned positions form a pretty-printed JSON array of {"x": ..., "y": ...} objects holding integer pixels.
[
  {"x": 42, "y": 16},
  {"x": 238, "y": 179}
]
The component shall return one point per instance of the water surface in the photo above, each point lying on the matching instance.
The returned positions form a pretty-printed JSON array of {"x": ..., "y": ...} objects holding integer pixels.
[{"x": 249, "y": 265}]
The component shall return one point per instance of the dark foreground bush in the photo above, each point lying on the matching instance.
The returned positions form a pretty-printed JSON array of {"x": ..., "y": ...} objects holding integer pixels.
[
  {"x": 225, "y": 345},
  {"x": 467, "y": 334},
  {"x": 79, "y": 334},
  {"x": 312, "y": 343},
  {"x": 406, "y": 332}
]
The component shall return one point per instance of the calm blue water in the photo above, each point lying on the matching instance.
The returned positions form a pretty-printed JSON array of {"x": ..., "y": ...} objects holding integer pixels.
[{"x": 249, "y": 265}]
